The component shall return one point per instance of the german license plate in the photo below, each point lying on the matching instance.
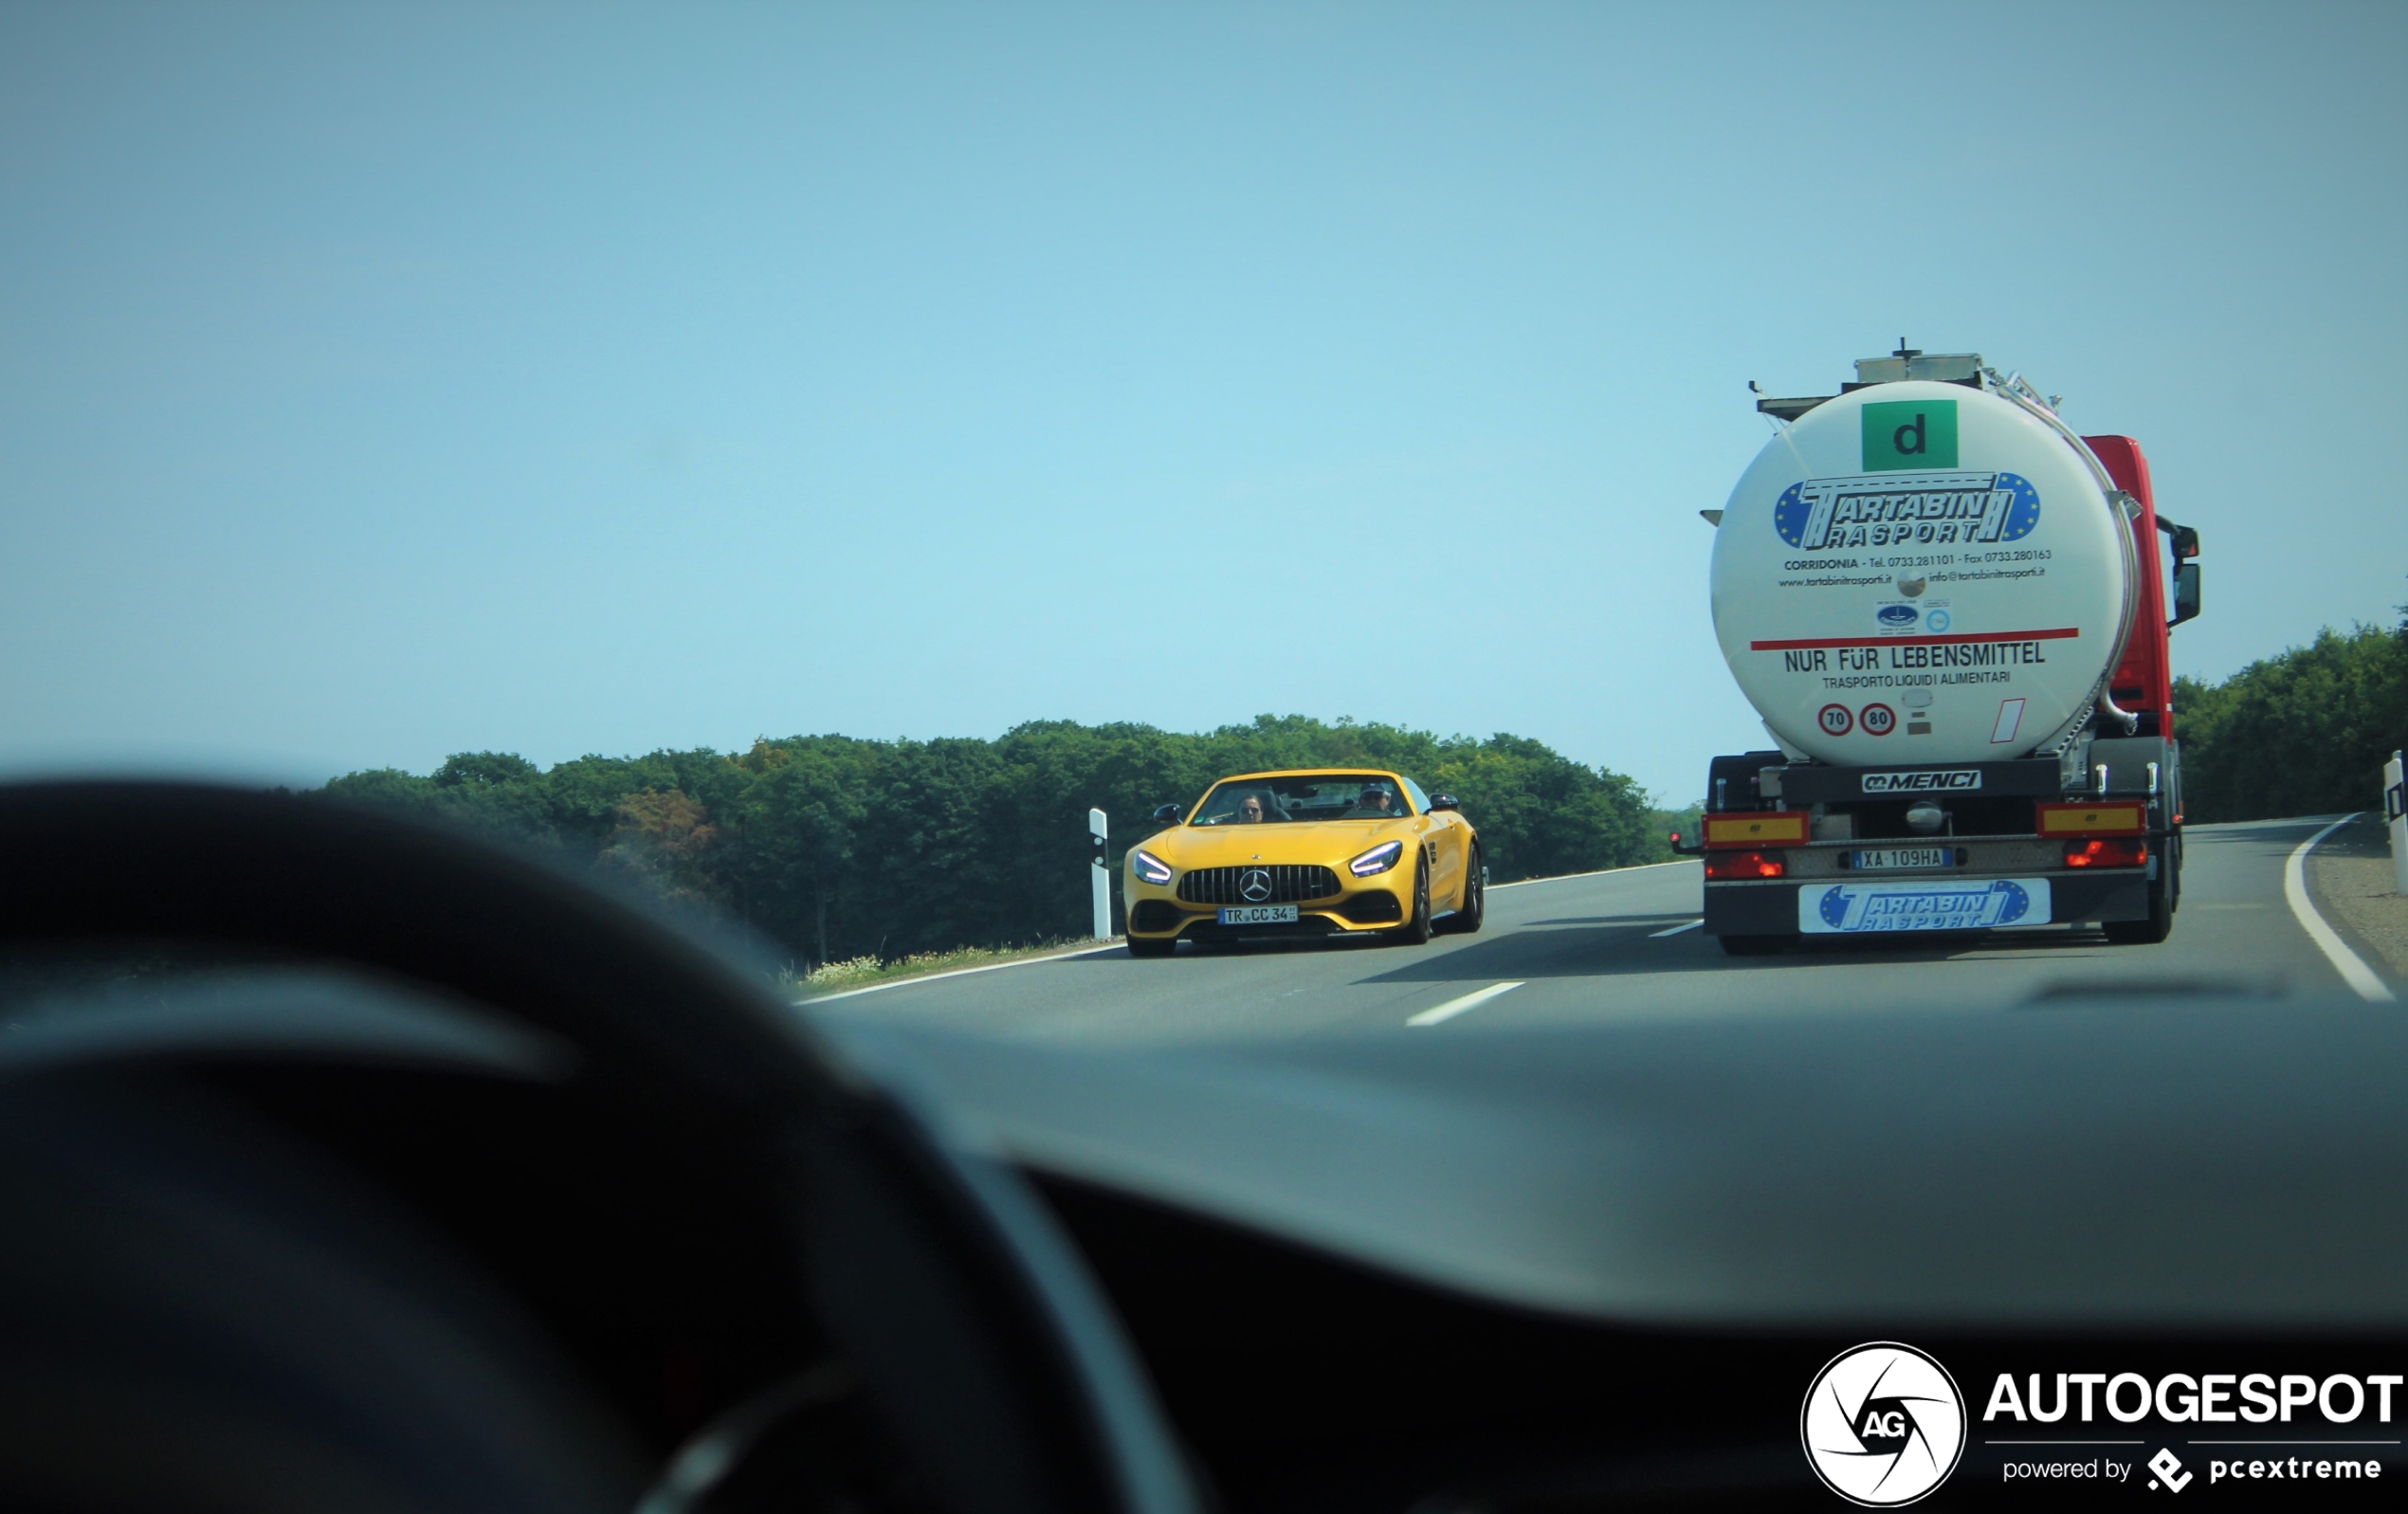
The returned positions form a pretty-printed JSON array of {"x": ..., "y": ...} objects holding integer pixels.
[
  {"x": 1258, "y": 915},
  {"x": 1892, "y": 858}
]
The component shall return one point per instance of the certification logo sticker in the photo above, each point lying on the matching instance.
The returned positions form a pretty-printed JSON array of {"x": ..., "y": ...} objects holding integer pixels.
[{"x": 1883, "y": 1424}]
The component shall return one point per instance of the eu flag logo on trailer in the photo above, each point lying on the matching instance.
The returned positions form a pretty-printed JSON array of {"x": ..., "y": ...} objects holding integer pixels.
[{"x": 1910, "y": 434}]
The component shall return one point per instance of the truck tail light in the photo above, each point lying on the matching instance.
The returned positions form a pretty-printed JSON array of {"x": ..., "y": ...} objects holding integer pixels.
[
  {"x": 2115, "y": 851},
  {"x": 1731, "y": 865}
]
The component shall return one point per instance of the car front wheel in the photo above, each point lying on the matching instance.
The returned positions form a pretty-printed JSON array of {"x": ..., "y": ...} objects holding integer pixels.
[{"x": 1473, "y": 909}]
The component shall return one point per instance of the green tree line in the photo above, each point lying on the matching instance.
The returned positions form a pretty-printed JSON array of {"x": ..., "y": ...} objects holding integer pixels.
[
  {"x": 840, "y": 847},
  {"x": 2302, "y": 733}
]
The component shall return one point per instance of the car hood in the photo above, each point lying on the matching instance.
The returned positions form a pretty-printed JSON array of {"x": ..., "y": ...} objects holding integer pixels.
[{"x": 2194, "y": 1161}]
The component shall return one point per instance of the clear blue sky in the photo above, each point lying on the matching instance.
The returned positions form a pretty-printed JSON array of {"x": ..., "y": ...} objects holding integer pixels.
[{"x": 377, "y": 383}]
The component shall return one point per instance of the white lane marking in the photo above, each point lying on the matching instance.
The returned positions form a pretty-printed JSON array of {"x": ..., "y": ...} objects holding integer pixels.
[
  {"x": 1655, "y": 934},
  {"x": 2337, "y": 952},
  {"x": 1438, "y": 1014},
  {"x": 1567, "y": 877},
  {"x": 958, "y": 972}
]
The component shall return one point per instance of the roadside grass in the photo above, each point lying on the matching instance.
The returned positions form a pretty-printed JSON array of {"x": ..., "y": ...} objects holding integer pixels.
[{"x": 864, "y": 971}]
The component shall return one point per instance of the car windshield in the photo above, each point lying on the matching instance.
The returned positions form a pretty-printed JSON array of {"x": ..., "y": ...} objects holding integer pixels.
[{"x": 1302, "y": 797}]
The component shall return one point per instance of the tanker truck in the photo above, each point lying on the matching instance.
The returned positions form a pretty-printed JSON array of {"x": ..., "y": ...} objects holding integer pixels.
[{"x": 1950, "y": 611}]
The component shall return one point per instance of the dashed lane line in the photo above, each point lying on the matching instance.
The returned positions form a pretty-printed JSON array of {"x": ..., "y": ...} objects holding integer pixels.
[
  {"x": 1655, "y": 934},
  {"x": 1440, "y": 1013}
]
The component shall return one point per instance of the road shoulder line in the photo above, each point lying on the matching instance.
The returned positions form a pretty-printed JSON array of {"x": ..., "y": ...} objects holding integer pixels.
[
  {"x": 958, "y": 972},
  {"x": 1567, "y": 877},
  {"x": 2353, "y": 972}
]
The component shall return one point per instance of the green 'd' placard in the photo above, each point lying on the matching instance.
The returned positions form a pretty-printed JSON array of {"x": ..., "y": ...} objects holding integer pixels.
[{"x": 1910, "y": 434}]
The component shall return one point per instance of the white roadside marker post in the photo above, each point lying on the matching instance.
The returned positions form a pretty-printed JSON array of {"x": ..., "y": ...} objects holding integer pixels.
[
  {"x": 2396, "y": 811},
  {"x": 1099, "y": 878}
]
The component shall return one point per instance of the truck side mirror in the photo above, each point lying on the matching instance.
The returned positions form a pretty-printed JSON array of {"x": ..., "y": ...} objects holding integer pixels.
[
  {"x": 1168, "y": 814},
  {"x": 2186, "y": 594}
]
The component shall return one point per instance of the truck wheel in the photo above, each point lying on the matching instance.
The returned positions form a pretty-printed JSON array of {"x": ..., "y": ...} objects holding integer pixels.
[
  {"x": 1140, "y": 946},
  {"x": 1756, "y": 945},
  {"x": 2160, "y": 921},
  {"x": 1474, "y": 907},
  {"x": 1415, "y": 932}
]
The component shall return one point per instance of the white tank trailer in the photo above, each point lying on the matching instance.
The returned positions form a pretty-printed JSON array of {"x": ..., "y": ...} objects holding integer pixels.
[{"x": 1951, "y": 612}]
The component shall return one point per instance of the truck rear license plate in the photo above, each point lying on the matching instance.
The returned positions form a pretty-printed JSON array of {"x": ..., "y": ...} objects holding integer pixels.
[
  {"x": 1259, "y": 915},
  {"x": 1890, "y": 858},
  {"x": 1927, "y": 903}
]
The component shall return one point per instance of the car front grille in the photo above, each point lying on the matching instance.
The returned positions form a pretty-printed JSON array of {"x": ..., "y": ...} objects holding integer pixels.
[{"x": 1290, "y": 884}]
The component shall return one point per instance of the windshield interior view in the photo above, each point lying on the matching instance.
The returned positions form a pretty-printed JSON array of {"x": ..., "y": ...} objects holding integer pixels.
[{"x": 1052, "y": 757}]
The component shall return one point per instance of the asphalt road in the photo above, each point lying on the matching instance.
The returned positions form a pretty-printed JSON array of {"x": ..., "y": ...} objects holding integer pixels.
[{"x": 1605, "y": 946}]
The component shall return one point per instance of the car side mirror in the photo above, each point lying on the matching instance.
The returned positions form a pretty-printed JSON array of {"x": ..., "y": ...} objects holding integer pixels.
[
  {"x": 1168, "y": 814},
  {"x": 2186, "y": 594},
  {"x": 1443, "y": 801}
]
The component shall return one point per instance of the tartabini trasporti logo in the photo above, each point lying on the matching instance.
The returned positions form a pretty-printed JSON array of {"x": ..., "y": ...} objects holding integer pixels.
[{"x": 1883, "y": 1424}]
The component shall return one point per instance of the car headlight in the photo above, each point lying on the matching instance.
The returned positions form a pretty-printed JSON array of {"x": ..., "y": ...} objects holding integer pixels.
[
  {"x": 1379, "y": 858},
  {"x": 1150, "y": 869}
]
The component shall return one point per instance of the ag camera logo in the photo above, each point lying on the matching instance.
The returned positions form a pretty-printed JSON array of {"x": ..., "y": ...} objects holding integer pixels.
[{"x": 1883, "y": 1424}]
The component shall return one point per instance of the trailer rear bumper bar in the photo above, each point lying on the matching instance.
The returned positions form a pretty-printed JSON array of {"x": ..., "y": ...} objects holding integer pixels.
[{"x": 1770, "y": 907}]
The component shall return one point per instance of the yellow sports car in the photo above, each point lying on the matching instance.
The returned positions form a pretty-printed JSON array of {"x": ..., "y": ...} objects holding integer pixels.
[{"x": 1309, "y": 852}]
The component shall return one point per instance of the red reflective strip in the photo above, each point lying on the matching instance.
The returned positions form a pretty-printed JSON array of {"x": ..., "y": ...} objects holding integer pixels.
[{"x": 1878, "y": 640}]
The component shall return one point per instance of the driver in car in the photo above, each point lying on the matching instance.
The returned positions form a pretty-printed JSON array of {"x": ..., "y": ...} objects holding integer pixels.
[
  {"x": 1253, "y": 809},
  {"x": 1373, "y": 803}
]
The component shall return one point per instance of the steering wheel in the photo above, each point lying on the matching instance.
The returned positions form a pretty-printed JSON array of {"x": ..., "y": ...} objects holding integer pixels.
[{"x": 200, "y": 1309}]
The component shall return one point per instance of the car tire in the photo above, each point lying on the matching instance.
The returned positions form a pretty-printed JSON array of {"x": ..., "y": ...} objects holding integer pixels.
[
  {"x": 2153, "y": 927},
  {"x": 1756, "y": 945},
  {"x": 1416, "y": 931},
  {"x": 1141, "y": 946},
  {"x": 1473, "y": 911}
]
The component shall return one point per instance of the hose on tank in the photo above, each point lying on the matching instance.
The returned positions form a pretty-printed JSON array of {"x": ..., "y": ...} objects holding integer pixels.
[{"x": 2127, "y": 509}]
